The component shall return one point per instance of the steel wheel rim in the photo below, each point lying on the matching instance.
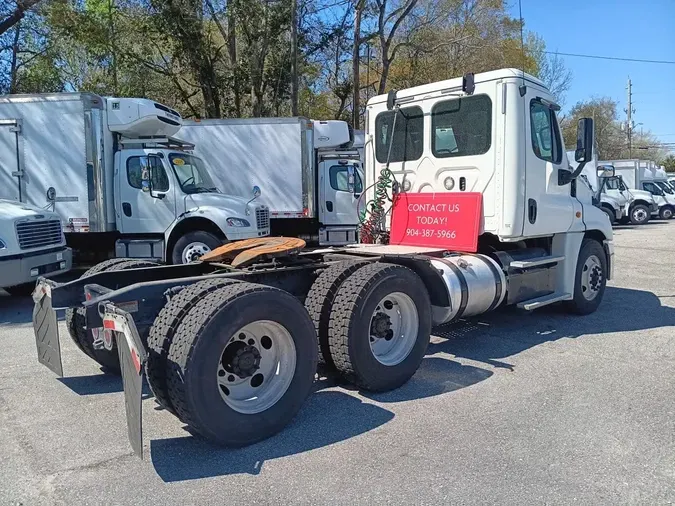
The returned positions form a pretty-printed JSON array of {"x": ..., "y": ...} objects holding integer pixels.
[
  {"x": 194, "y": 251},
  {"x": 393, "y": 328},
  {"x": 253, "y": 380},
  {"x": 591, "y": 277},
  {"x": 667, "y": 214},
  {"x": 639, "y": 214}
]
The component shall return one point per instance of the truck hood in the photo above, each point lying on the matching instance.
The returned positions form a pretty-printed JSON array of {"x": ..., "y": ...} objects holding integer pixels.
[
  {"x": 219, "y": 200},
  {"x": 642, "y": 194},
  {"x": 11, "y": 210},
  {"x": 610, "y": 200}
]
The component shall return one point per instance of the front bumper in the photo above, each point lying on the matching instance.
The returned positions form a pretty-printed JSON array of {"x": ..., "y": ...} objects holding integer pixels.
[
  {"x": 233, "y": 234},
  {"x": 28, "y": 268}
]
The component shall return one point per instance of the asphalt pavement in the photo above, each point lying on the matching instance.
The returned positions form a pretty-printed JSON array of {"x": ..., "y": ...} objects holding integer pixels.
[{"x": 508, "y": 408}]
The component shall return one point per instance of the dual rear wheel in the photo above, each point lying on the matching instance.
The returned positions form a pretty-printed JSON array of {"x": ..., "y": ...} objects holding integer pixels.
[{"x": 236, "y": 360}]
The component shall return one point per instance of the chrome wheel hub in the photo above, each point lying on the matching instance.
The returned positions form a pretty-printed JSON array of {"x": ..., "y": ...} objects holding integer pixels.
[
  {"x": 393, "y": 329},
  {"x": 194, "y": 251},
  {"x": 591, "y": 277}
]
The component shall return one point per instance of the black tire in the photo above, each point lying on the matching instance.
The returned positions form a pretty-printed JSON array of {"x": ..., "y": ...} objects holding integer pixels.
[
  {"x": 320, "y": 300},
  {"x": 625, "y": 220},
  {"x": 206, "y": 238},
  {"x": 635, "y": 214},
  {"x": 350, "y": 320},
  {"x": 610, "y": 215},
  {"x": 76, "y": 317},
  {"x": 666, "y": 213},
  {"x": 24, "y": 290},
  {"x": 195, "y": 353},
  {"x": 580, "y": 304},
  {"x": 163, "y": 329}
]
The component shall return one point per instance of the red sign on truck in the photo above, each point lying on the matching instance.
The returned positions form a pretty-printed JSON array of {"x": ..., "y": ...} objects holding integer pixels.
[{"x": 437, "y": 220}]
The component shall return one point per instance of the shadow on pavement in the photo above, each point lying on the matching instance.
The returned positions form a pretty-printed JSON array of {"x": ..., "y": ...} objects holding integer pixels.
[
  {"x": 494, "y": 336},
  {"x": 95, "y": 384},
  {"x": 435, "y": 376},
  {"x": 327, "y": 417}
]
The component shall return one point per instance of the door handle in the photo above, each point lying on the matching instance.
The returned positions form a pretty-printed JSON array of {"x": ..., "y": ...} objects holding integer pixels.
[
  {"x": 126, "y": 207},
  {"x": 532, "y": 210},
  {"x": 329, "y": 206}
]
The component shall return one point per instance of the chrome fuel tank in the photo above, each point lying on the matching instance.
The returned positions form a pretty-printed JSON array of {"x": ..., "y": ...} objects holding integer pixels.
[{"x": 475, "y": 283}]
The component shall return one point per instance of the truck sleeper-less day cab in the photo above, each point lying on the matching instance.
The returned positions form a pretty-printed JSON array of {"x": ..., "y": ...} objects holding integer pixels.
[
  {"x": 226, "y": 342},
  {"x": 121, "y": 183},
  {"x": 31, "y": 245},
  {"x": 310, "y": 182}
]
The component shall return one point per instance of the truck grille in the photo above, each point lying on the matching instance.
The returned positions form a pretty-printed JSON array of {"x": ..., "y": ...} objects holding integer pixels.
[
  {"x": 37, "y": 234},
  {"x": 262, "y": 218}
]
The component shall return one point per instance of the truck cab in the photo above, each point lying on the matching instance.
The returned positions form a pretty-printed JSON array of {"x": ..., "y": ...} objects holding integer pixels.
[
  {"x": 32, "y": 244},
  {"x": 164, "y": 194},
  {"x": 665, "y": 200}
]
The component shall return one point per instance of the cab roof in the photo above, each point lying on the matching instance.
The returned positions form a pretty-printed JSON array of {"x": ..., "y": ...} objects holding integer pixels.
[{"x": 456, "y": 83}]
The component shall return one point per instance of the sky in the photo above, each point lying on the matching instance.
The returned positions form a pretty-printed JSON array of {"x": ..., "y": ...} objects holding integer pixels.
[{"x": 641, "y": 29}]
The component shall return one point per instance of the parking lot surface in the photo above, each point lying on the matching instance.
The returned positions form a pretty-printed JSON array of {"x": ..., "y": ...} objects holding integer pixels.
[{"x": 509, "y": 407}]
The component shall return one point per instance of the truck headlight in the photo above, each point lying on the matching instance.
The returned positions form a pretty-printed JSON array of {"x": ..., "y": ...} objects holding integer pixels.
[
  {"x": 238, "y": 222},
  {"x": 2, "y": 244}
]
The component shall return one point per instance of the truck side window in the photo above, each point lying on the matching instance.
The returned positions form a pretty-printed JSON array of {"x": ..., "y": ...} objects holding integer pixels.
[
  {"x": 612, "y": 184},
  {"x": 408, "y": 142},
  {"x": 545, "y": 133},
  {"x": 135, "y": 166},
  {"x": 461, "y": 126},
  {"x": 339, "y": 179}
]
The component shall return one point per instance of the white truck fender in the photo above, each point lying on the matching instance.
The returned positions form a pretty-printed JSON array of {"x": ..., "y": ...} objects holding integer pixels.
[{"x": 218, "y": 217}]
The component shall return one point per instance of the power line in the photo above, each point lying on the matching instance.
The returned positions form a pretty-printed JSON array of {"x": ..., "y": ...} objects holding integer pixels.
[{"x": 596, "y": 57}]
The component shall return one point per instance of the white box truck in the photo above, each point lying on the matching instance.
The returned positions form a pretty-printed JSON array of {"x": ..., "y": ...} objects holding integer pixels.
[
  {"x": 121, "y": 183},
  {"x": 310, "y": 180},
  {"x": 32, "y": 244},
  {"x": 244, "y": 356},
  {"x": 632, "y": 177}
]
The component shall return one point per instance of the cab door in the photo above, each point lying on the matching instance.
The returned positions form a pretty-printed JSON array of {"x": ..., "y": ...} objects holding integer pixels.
[
  {"x": 145, "y": 208},
  {"x": 341, "y": 184},
  {"x": 549, "y": 207}
]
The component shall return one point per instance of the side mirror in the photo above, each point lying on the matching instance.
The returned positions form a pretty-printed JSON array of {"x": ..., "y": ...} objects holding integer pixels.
[
  {"x": 605, "y": 171},
  {"x": 351, "y": 178},
  {"x": 256, "y": 192},
  {"x": 584, "y": 151}
]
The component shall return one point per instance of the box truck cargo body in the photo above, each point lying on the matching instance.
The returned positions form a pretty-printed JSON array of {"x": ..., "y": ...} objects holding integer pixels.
[
  {"x": 110, "y": 167},
  {"x": 309, "y": 181}
]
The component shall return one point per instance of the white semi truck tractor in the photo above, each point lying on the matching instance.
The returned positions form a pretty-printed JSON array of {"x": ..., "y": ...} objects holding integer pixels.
[
  {"x": 475, "y": 207},
  {"x": 123, "y": 185}
]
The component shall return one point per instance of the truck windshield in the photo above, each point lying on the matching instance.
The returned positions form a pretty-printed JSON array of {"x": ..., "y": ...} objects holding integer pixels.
[
  {"x": 665, "y": 187},
  {"x": 192, "y": 174}
]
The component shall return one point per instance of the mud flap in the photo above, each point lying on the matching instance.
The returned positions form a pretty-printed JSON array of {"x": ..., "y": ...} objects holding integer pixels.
[
  {"x": 132, "y": 360},
  {"x": 46, "y": 329}
]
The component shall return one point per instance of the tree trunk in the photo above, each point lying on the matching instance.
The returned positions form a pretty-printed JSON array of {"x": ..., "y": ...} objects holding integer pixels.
[
  {"x": 15, "y": 53},
  {"x": 356, "y": 71},
  {"x": 294, "y": 58},
  {"x": 232, "y": 49},
  {"x": 386, "y": 62}
]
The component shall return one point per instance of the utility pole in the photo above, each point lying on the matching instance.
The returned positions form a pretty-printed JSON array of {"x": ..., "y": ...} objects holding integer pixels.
[
  {"x": 294, "y": 58},
  {"x": 356, "y": 55},
  {"x": 629, "y": 119}
]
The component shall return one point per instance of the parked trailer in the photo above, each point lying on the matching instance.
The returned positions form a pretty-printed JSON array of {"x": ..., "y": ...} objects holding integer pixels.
[{"x": 230, "y": 343}]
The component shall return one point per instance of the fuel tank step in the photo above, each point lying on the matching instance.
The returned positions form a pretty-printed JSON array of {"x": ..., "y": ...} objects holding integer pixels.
[
  {"x": 535, "y": 262},
  {"x": 531, "y": 304}
]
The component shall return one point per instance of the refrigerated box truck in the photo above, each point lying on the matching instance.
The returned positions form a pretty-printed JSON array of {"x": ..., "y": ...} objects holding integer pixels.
[
  {"x": 309, "y": 176},
  {"x": 633, "y": 177},
  {"x": 121, "y": 183}
]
